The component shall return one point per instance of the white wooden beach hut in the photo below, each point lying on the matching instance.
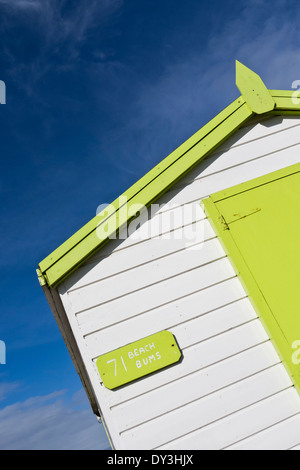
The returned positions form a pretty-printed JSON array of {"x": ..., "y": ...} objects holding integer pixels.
[{"x": 182, "y": 319}]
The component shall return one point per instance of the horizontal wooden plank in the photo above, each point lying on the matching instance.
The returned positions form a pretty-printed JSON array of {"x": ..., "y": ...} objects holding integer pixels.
[
  {"x": 196, "y": 357},
  {"x": 159, "y": 270},
  {"x": 160, "y": 293},
  {"x": 194, "y": 386},
  {"x": 141, "y": 253},
  {"x": 167, "y": 316},
  {"x": 189, "y": 331},
  {"x": 203, "y": 187},
  {"x": 214, "y": 323},
  {"x": 156, "y": 228},
  {"x": 283, "y": 138},
  {"x": 280, "y": 437},
  {"x": 257, "y": 128},
  {"x": 241, "y": 424},
  {"x": 207, "y": 410}
]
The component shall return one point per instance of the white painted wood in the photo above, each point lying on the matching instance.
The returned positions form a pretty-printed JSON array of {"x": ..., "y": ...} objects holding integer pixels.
[
  {"x": 144, "y": 252},
  {"x": 297, "y": 447},
  {"x": 202, "y": 188},
  {"x": 167, "y": 217},
  {"x": 255, "y": 129},
  {"x": 154, "y": 272},
  {"x": 193, "y": 331},
  {"x": 230, "y": 157},
  {"x": 279, "y": 437},
  {"x": 177, "y": 311},
  {"x": 91, "y": 374},
  {"x": 194, "y": 386},
  {"x": 168, "y": 232},
  {"x": 230, "y": 390},
  {"x": 197, "y": 357},
  {"x": 207, "y": 410},
  {"x": 247, "y": 422},
  {"x": 159, "y": 294}
]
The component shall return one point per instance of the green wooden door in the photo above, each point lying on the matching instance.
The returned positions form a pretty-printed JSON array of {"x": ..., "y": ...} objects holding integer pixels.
[{"x": 259, "y": 225}]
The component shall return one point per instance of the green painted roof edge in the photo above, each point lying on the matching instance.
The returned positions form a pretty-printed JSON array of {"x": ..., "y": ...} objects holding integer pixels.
[
  {"x": 253, "y": 90},
  {"x": 142, "y": 183},
  {"x": 92, "y": 236}
]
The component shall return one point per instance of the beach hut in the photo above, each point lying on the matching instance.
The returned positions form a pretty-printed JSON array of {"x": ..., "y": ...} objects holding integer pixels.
[{"x": 179, "y": 302}]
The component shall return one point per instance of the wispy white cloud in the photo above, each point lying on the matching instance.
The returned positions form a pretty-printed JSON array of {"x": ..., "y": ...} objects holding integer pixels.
[
  {"x": 60, "y": 32},
  {"x": 266, "y": 36},
  {"x": 8, "y": 387},
  {"x": 73, "y": 26},
  {"x": 39, "y": 423},
  {"x": 21, "y": 4},
  {"x": 193, "y": 88}
]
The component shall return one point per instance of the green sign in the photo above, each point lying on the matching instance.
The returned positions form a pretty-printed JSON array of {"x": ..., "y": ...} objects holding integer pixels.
[{"x": 138, "y": 359}]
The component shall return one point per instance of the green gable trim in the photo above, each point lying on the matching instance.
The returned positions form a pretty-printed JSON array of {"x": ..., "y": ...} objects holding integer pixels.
[
  {"x": 258, "y": 225},
  {"x": 151, "y": 176},
  {"x": 92, "y": 236}
]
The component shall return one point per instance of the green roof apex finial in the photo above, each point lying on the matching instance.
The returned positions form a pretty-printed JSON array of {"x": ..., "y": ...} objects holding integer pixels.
[{"x": 253, "y": 90}]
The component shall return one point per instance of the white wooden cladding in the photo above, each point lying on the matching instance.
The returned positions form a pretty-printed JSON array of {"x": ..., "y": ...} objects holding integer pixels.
[
  {"x": 205, "y": 325},
  {"x": 206, "y": 410},
  {"x": 198, "y": 356},
  {"x": 152, "y": 273},
  {"x": 231, "y": 390},
  {"x": 259, "y": 419},
  {"x": 160, "y": 294}
]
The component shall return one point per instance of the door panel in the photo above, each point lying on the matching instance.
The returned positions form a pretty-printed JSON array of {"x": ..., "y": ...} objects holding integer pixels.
[{"x": 259, "y": 227}]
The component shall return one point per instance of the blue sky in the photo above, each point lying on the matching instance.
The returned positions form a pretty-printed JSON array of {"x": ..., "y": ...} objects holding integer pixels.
[{"x": 98, "y": 92}]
